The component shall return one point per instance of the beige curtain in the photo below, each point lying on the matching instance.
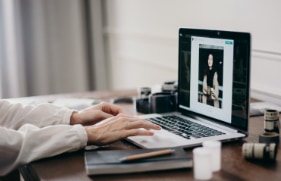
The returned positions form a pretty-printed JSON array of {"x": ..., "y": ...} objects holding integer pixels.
[{"x": 47, "y": 47}]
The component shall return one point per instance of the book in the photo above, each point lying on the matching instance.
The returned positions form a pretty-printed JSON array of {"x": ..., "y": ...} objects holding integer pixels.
[
  {"x": 112, "y": 161},
  {"x": 258, "y": 108},
  {"x": 75, "y": 103}
]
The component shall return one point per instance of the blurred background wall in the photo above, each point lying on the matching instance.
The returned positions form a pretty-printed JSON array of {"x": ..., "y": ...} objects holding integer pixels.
[
  {"x": 79, "y": 45},
  {"x": 141, "y": 37}
]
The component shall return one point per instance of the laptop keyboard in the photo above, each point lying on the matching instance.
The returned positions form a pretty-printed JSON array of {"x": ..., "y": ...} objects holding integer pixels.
[{"x": 184, "y": 127}]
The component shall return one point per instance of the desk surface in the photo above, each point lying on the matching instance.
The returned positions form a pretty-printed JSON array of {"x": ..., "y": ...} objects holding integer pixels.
[{"x": 70, "y": 166}]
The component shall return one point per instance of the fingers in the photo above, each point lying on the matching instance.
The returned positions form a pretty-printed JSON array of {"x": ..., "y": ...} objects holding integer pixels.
[
  {"x": 130, "y": 122},
  {"x": 119, "y": 127},
  {"x": 137, "y": 127},
  {"x": 140, "y": 128},
  {"x": 111, "y": 108},
  {"x": 138, "y": 123},
  {"x": 102, "y": 115},
  {"x": 136, "y": 132},
  {"x": 95, "y": 114}
]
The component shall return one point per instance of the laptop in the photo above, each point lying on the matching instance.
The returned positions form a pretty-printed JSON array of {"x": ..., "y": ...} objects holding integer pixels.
[{"x": 213, "y": 91}]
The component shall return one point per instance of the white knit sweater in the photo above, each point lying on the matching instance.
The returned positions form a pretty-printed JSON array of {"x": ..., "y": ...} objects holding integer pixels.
[{"x": 29, "y": 133}]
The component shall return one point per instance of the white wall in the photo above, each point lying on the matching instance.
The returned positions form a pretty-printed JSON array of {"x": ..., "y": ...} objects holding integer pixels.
[{"x": 142, "y": 38}]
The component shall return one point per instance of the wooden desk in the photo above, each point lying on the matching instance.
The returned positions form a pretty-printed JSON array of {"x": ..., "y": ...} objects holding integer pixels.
[{"x": 70, "y": 166}]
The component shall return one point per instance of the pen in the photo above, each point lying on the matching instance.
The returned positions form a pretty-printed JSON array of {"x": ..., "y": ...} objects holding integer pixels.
[{"x": 146, "y": 155}]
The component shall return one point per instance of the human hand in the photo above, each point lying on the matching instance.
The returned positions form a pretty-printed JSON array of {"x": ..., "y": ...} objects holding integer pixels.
[
  {"x": 117, "y": 128},
  {"x": 94, "y": 114},
  {"x": 213, "y": 95}
]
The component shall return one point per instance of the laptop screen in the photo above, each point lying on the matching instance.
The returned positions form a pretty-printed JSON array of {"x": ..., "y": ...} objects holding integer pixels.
[{"x": 214, "y": 75}]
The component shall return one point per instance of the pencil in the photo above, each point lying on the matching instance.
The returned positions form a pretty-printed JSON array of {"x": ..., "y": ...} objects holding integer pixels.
[{"x": 146, "y": 155}]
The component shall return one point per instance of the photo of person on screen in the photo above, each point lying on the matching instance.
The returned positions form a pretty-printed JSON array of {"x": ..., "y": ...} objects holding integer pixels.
[{"x": 210, "y": 84}]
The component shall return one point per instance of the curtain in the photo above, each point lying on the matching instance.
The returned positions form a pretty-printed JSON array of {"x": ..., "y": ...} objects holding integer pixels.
[
  {"x": 10, "y": 51},
  {"x": 47, "y": 47}
]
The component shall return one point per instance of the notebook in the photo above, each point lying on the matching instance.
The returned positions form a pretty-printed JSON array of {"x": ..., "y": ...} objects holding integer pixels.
[
  {"x": 105, "y": 162},
  {"x": 213, "y": 91}
]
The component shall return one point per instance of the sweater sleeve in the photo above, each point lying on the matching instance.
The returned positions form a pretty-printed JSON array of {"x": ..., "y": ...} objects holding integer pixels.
[
  {"x": 30, "y": 143},
  {"x": 14, "y": 115}
]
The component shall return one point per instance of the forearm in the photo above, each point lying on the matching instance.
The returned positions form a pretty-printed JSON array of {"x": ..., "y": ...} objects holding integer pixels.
[
  {"x": 31, "y": 143},
  {"x": 15, "y": 115},
  {"x": 205, "y": 87}
]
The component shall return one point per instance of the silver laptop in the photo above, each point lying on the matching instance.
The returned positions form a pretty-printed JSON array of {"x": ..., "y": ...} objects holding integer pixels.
[{"x": 213, "y": 91}]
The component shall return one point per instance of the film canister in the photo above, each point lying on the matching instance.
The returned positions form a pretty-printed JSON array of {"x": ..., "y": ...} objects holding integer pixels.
[{"x": 271, "y": 121}]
